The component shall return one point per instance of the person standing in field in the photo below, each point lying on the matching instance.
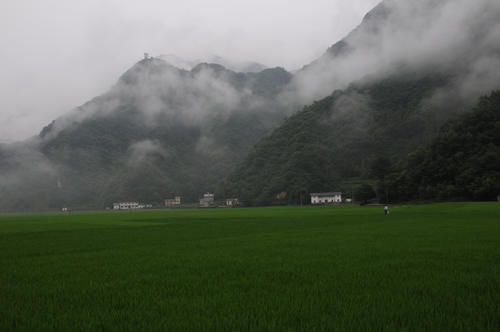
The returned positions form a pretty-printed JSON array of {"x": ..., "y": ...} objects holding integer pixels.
[{"x": 386, "y": 210}]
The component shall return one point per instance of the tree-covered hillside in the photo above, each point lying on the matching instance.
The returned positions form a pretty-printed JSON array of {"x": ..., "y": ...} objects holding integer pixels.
[
  {"x": 462, "y": 162},
  {"x": 339, "y": 138}
]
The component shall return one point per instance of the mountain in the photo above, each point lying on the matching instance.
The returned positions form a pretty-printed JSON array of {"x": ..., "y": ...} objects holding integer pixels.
[
  {"x": 390, "y": 84},
  {"x": 380, "y": 92},
  {"x": 160, "y": 131}
]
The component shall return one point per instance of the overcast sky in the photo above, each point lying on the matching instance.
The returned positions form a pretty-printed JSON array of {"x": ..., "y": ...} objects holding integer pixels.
[{"x": 57, "y": 54}]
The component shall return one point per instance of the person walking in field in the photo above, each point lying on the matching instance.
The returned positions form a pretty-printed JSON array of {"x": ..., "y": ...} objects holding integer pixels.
[{"x": 386, "y": 210}]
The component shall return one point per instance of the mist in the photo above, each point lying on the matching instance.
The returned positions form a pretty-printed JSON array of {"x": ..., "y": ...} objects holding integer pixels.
[
  {"x": 412, "y": 36},
  {"x": 57, "y": 54}
]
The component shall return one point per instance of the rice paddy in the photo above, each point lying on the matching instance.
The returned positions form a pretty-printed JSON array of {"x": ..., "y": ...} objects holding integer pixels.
[{"x": 434, "y": 267}]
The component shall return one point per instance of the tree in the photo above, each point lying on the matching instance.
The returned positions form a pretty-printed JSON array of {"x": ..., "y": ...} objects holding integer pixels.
[
  {"x": 364, "y": 193},
  {"x": 461, "y": 163},
  {"x": 380, "y": 168}
]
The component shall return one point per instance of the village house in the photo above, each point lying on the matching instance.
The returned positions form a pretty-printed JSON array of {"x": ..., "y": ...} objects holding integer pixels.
[
  {"x": 207, "y": 200},
  {"x": 232, "y": 202},
  {"x": 130, "y": 206},
  {"x": 173, "y": 202},
  {"x": 326, "y": 198}
]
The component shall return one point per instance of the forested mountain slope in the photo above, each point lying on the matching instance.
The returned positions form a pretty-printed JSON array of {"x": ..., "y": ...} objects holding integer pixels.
[
  {"x": 338, "y": 138},
  {"x": 461, "y": 163}
]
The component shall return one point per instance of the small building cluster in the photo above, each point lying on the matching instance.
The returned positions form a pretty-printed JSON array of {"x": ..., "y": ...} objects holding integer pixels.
[
  {"x": 207, "y": 200},
  {"x": 173, "y": 202},
  {"x": 326, "y": 198},
  {"x": 130, "y": 206}
]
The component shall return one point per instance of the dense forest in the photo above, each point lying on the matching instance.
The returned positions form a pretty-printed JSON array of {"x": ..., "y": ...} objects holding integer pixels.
[
  {"x": 461, "y": 163},
  {"x": 339, "y": 138},
  {"x": 317, "y": 150}
]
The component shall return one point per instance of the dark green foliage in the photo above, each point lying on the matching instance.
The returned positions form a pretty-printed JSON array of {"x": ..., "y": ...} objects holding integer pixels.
[
  {"x": 462, "y": 162},
  {"x": 380, "y": 168},
  {"x": 430, "y": 267},
  {"x": 364, "y": 193},
  {"x": 338, "y": 138}
]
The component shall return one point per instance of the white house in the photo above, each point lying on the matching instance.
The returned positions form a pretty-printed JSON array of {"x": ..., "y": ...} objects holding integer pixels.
[
  {"x": 326, "y": 198},
  {"x": 127, "y": 206},
  {"x": 232, "y": 202},
  {"x": 173, "y": 202},
  {"x": 207, "y": 200}
]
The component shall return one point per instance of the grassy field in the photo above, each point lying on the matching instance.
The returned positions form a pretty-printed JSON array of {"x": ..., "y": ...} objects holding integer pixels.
[{"x": 431, "y": 267}]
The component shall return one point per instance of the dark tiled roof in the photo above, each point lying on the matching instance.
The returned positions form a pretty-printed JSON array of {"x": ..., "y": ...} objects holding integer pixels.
[{"x": 326, "y": 194}]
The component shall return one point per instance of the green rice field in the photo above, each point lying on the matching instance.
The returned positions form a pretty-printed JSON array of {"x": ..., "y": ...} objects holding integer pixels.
[{"x": 423, "y": 267}]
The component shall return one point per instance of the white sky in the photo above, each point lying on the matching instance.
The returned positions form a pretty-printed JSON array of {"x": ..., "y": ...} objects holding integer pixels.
[{"x": 57, "y": 54}]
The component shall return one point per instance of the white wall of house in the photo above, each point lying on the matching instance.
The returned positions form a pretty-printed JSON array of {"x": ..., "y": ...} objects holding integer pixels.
[
  {"x": 127, "y": 206},
  {"x": 232, "y": 202},
  {"x": 207, "y": 200},
  {"x": 173, "y": 202},
  {"x": 326, "y": 198}
]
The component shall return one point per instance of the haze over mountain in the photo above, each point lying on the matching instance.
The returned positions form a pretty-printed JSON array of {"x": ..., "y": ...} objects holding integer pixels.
[
  {"x": 159, "y": 131},
  {"x": 162, "y": 130},
  {"x": 456, "y": 36},
  {"x": 233, "y": 65},
  {"x": 60, "y": 54}
]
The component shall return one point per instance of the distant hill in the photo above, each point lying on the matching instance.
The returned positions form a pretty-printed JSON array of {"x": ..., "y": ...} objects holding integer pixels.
[{"x": 160, "y": 131}]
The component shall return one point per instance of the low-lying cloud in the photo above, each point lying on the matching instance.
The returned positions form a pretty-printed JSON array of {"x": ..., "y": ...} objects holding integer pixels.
[
  {"x": 427, "y": 35},
  {"x": 57, "y": 54}
]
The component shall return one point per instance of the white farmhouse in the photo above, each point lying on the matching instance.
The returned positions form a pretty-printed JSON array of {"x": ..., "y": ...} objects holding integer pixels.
[
  {"x": 173, "y": 202},
  {"x": 326, "y": 198},
  {"x": 232, "y": 202},
  {"x": 127, "y": 206},
  {"x": 207, "y": 200}
]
